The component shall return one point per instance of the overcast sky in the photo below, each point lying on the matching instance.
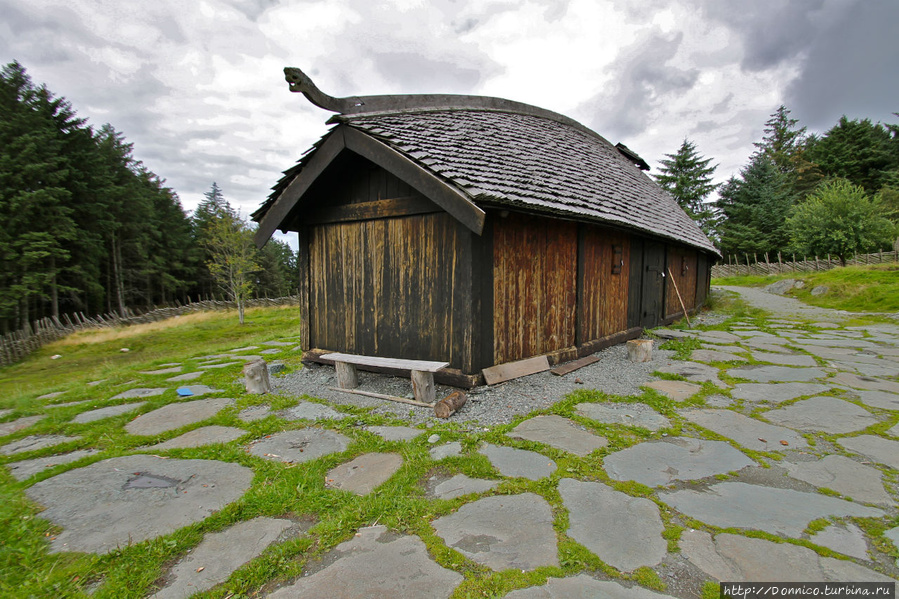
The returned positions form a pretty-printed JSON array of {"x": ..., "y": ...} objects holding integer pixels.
[{"x": 197, "y": 86}]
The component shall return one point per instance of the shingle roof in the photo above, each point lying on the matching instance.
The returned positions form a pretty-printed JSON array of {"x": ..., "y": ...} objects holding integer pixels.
[{"x": 526, "y": 162}]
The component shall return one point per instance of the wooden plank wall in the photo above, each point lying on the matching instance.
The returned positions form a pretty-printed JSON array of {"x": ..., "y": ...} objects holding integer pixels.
[
  {"x": 386, "y": 287},
  {"x": 682, "y": 266},
  {"x": 604, "y": 304},
  {"x": 535, "y": 286}
]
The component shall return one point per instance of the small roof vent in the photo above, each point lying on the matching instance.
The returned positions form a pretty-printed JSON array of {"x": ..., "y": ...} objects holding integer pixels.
[{"x": 632, "y": 156}]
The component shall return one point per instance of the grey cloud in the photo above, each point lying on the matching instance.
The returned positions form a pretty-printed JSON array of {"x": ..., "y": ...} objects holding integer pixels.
[
  {"x": 642, "y": 81},
  {"x": 773, "y": 31},
  {"x": 850, "y": 69},
  {"x": 412, "y": 70}
]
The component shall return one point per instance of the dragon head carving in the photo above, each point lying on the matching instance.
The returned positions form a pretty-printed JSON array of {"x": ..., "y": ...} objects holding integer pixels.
[{"x": 298, "y": 80}]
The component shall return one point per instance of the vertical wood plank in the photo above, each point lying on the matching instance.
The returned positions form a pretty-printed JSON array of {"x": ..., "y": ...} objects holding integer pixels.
[{"x": 304, "y": 290}]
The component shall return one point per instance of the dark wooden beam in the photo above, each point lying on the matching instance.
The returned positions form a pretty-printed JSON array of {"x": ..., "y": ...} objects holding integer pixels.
[
  {"x": 371, "y": 210},
  {"x": 306, "y": 341},
  {"x": 288, "y": 199},
  {"x": 440, "y": 192}
]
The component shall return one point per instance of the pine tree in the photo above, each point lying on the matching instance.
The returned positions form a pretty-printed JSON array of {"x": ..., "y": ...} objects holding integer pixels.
[
  {"x": 865, "y": 153},
  {"x": 755, "y": 207},
  {"x": 687, "y": 176},
  {"x": 783, "y": 142}
]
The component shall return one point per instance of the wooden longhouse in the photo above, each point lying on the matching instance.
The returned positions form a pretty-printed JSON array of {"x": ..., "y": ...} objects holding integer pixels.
[{"x": 478, "y": 231}]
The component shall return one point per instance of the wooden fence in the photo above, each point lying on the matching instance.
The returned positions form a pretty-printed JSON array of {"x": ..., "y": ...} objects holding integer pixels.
[
  {"x": 753, "y": 266},
  {"x": 18, "y": 344}
]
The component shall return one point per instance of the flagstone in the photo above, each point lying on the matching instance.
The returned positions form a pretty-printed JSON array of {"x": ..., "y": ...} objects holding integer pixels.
[
  {"x": 375, "y": 564},
  {"x": 679, "y": 458},
  {"x": 560, "y": 433},
  {"x": 583, "y": 586},
  {"x": 140, "y": 392},
  {"x": 459, "y": 485},
  {"x": 694, "y": 371},
  {"x": 253, "y": 413},
  {"x": 28, "y": 468},
  {"x": 675, "y": 390},
  {"x": 778, "y": 511},
  {"x": 884, "y": 400},
  {"x": 395, "y": 433},
  {"x": 628, "y": 414},
  {"x": 717, "y": 336},
  {"x": 279, "y": 343},
  {"x": 220, "y": 554},
  {"x": 8, "y": 428},
  {"x": 894, "y": 431},
  {"x": 623, "y": 531},
  {"x": 268, "y": 352},
  {"x": 6, "y": 412},
  {"x": 771, "y": 374},
  {"x": 784, "y": 359},
  {"x": 198, "y": 390},
  {"x": 825, "y": 414},
  {"x": 883, "y": 451},
  {"x": 843, "y": 475},
  {"x": 748, "y": 432},
  {"x": 847, "y": 539},
  {"x": 672, "y": 333},
  {"x": 714, "y": 355},
  {"x": 52, "y": 395},
  {"x": 176, "y": 415},
  {"x": 108, "y": 412},
  {"x": 121, "y": 501},
  {"x": 730, "y": 557},
  {"x": 171, "y": 370},
  {"x": 35, "y": 442},
  {"x": 308, "y": 410},
  {"x": 187, "y": 376},
  {"x": 299, "y": 446},
  {"x": 489, "y": 531},
  {"x": 515, "y": 463},
  {"x": 447, "y": 450},
  {"x": 775, "y": 393},
  {"x": 206, "y": 435},
  {"x": 211, "y": 366},
  {"x": 365, "y": 472}
]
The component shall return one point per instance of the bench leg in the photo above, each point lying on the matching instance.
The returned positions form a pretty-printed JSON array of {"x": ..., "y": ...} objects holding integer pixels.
[
  {"x": 346, "y": 375},
  {"x": 423, "y": 386}
]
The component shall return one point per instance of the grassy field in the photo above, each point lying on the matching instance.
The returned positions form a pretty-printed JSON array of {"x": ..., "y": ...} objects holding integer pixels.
[
  {"x": 297, "y": 492},
  {"x": 873, "y": 288},
  {"x": 278, "y": 489}
]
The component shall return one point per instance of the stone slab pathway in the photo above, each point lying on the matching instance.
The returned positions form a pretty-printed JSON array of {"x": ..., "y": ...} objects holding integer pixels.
[
  {"x": 560, "y": 433},
  {"x": 27, "y": 468},
  {"x": 675, "y": 390},
  {"x": 883, "y": 451},
  {"x": 459, "y": 485},
  {"x": 134, "y": 498},
  {"x": 34, "y": 443},
  {"x": 778, "y": 511},
  {"x": 375, "y": 564},
  {"x": 847, "y": 477},
  {"x": 825, "y": 414},
  {"x": 584, "y": 587},
  {"x": 299, "y": 446},
  {"x": 395, "y": 433},
  {"x": 781, "y": 392},
  {"x": 206, "y": 435},
  {"x": 514, "y": 462},
  {"x": 748, "y": 432},
  {"x": 8, "y": 428},
  {"x": 176, "y": 415},
  {"x": 364, "y": 473},
  {"x": 220, "y": 554},
  {"x": 628, "y": 414},
  {"x": 624, "y": 531},
  {"x": 680, "y": 458},
  {"x": 109, "y": 412},
  {"x": 489, "y": 531}
]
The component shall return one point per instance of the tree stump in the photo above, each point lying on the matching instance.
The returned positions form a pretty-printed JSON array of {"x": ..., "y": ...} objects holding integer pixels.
[
  {"x": 639, "y": 350},
  {"x": 423, "y": 386},
  {"x": 347, "y": 378},
  {"x": 255, "y": 375},
  {"x": 450, "y": 404}
]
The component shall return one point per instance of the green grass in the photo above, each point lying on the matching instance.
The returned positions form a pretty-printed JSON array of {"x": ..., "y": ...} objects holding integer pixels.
[
  {"x": 873, "y": 288},
  {"x": 282, "y": 490}
]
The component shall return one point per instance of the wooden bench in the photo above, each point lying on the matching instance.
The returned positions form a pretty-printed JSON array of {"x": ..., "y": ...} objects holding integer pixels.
[{"x": 422, "y": 372}]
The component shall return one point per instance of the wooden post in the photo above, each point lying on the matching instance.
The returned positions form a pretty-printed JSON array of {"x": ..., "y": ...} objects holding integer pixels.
[
  {"x": 423, "y": 386},
  {"x": 676, "y": 290},
  {"x": 346, "y": 375},
  {"x": 639, "y": 350}
]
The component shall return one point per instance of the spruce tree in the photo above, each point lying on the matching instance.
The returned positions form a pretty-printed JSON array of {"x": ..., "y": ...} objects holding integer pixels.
[{"x": 687, "y": 176}]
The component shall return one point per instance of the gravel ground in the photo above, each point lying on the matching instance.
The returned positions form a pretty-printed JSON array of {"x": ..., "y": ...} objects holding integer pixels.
[{"x": 487, "y": 406}]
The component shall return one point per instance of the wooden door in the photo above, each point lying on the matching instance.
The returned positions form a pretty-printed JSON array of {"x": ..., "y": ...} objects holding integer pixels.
[{"x": 653, "y": 288}]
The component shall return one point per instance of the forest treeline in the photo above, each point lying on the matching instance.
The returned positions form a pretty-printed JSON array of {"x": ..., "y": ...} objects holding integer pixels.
[
  {"x": 86, "y": 227},
  {"x": 804, "y": 194}
]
